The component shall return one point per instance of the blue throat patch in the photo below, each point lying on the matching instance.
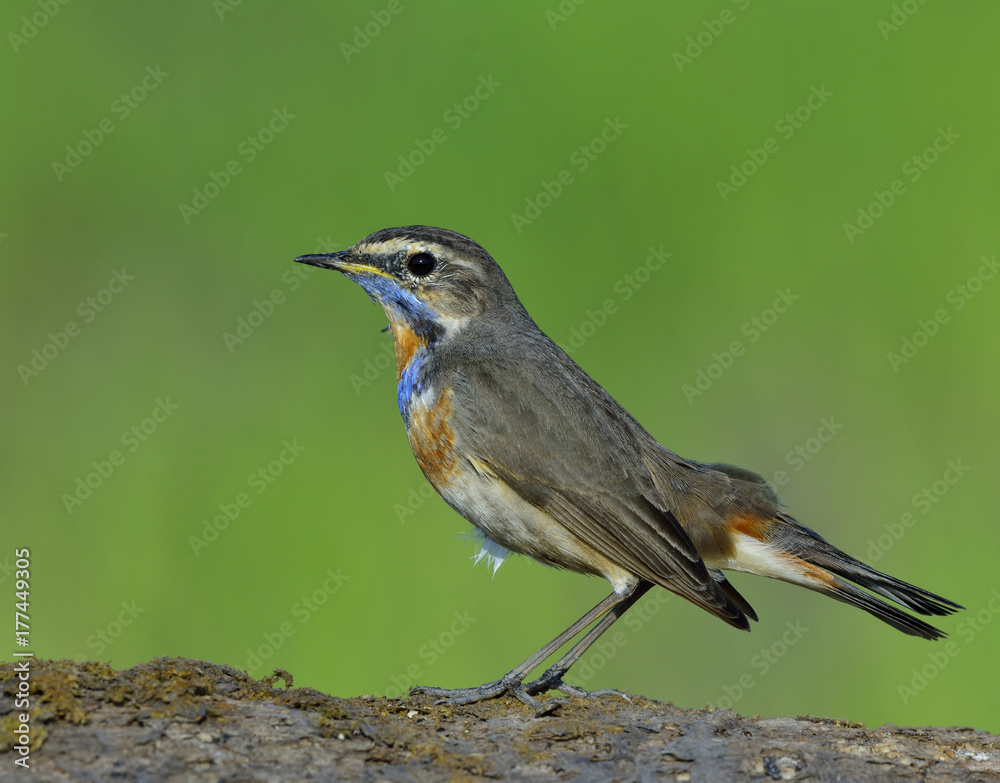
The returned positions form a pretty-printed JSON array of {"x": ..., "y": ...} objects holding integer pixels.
[
  {"x": 388, "y": 294},
  {"x": 410, "y": 383},
  {"x": 420, "y": 318}
]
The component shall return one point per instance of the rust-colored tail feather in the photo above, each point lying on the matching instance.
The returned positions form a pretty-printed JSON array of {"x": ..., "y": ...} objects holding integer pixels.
[{"x": 802, "y": 543}]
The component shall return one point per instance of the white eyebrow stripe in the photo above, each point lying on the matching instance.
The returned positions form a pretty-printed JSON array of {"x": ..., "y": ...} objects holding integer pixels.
[{"x": 392, "y": 246}]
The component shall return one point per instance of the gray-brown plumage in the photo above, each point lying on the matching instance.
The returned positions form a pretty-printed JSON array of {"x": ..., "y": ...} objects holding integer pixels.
[{"x": 517, "y": 438}]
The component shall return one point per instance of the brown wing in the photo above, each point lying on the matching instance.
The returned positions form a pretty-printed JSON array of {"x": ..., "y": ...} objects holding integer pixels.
[{"x": 560, "y": 441}]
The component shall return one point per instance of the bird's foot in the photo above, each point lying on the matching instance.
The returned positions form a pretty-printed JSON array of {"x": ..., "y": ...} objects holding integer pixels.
[
  {"x": 553, "y": 681},
  {"x": 524, "y": 692},
  {"x": 490, "y": 690}
]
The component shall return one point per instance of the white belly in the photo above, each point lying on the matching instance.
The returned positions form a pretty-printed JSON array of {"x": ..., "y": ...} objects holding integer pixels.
[{"x": 507, "y": 522}]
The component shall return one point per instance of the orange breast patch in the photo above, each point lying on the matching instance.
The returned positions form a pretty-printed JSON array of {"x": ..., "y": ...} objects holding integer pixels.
[
  {"x": 407, "y": 344},
  {"x": 432, "y": 439}
]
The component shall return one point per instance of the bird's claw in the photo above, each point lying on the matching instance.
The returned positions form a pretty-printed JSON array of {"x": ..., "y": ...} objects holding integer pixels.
[
  {"x": 523, "y": 692},
  {"x": 458, "y": 696},
  {"x": 554, "y": 682}
]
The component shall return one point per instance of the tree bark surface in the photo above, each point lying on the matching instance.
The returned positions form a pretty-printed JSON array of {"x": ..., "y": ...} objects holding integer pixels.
[{"x": 185, "y": 721}]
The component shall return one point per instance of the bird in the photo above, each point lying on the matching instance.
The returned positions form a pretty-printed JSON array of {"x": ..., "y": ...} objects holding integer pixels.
[{"x": 518, "y": 439}]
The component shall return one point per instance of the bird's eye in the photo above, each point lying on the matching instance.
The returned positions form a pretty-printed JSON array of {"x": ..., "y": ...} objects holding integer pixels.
[{"x": 421, "y": 264}]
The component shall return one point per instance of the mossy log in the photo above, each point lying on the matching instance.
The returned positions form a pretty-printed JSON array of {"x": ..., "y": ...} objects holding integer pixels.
[{"x": 188, "y": 721}]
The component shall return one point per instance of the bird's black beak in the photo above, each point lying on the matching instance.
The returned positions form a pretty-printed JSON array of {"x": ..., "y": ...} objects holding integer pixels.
[
  {"x": 326, "y": 260},
  {"x": 342, "y": 262}
]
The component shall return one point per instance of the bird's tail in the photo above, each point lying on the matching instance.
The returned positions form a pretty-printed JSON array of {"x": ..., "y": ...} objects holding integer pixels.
[{"x": 781, "y": 548}]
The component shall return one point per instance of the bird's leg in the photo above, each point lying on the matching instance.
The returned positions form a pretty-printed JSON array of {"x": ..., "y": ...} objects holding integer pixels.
[
  {"x": 552, "y": 680},
  {"x": 512, "y": 681}
]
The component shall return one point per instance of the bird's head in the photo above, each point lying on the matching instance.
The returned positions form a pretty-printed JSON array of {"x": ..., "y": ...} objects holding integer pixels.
[{"x": 429, "y": 281}]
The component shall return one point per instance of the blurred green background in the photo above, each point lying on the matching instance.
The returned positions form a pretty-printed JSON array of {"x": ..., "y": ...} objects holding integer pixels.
[{"x": 252, "y": 498}]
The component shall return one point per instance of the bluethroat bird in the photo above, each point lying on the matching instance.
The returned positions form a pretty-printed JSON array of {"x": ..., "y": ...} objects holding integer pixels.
[{"x": 520, "y": 441}]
